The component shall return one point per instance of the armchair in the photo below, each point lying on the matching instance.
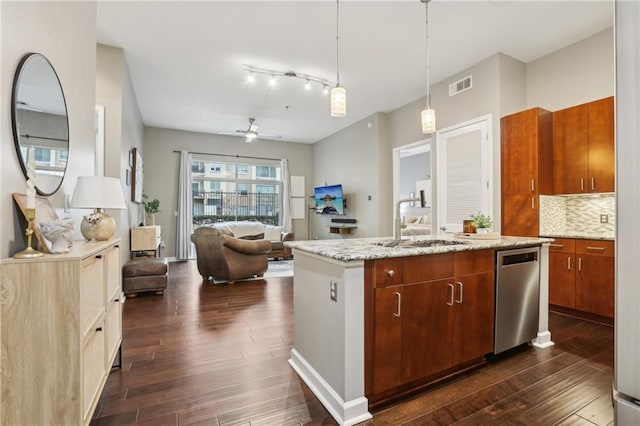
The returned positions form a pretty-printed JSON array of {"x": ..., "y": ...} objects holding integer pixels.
[{"x": 222, "y": 257}]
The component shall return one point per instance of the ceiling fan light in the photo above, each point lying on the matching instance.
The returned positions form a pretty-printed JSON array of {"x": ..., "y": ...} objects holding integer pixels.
[
  {"x": 338, "y": 101},
  {"x": 250, "y": 136},
  {"x": 428, "y": 120}
]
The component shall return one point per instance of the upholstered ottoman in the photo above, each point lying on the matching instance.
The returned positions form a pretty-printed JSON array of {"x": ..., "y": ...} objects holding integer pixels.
[{"x": 144, "y": 275}]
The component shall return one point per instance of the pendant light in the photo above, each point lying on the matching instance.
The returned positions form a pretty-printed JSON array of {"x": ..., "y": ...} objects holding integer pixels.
[
  {"x": 338, "y": 93},
  {"x": 428, "y": 114}
]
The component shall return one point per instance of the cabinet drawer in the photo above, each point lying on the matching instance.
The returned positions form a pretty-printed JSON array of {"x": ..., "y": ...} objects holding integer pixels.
[
  {"x": 93, "y": 371},
  {"x": 563, "y": 245},
  {"x": 427, "y": 268},
  {"x": 595, "y": 248},
  {"x": 113, "y": 332},
  {"x": 387, "y": 272},
  {"x": 92, "y": 291},
  {"x": 113, "y": 272},
  {"x": 473, "y": 262}
]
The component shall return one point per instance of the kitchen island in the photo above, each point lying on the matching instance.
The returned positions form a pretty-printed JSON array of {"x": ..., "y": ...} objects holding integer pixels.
[{"x": 336, "y": 330}]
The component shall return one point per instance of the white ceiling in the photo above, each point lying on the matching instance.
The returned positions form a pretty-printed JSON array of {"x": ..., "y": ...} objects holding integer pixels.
[{"x": 185, "y": 58}]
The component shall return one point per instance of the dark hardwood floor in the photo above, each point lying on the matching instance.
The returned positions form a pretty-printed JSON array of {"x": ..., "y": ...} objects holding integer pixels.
[{"x": 217, "y": 355}]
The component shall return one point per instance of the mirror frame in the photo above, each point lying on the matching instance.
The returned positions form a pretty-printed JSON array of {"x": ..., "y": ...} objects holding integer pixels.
[{"x": 14, "y": 119}]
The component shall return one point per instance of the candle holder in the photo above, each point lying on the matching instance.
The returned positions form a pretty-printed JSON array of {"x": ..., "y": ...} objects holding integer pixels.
[{"x": 29, "y": 252}]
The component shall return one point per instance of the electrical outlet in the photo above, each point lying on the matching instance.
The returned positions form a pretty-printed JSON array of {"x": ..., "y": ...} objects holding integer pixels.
[
  {"x": 333, "y": 290},
  {"x": 604, "y": 218}
]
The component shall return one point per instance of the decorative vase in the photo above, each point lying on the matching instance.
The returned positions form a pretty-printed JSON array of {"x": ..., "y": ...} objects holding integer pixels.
[
  {"x": 483, "y": 230},
  {"x": 149, "y": 219}
]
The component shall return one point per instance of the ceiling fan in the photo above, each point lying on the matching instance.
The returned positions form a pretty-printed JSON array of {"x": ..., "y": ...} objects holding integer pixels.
[{"x": 251, "y": 133}]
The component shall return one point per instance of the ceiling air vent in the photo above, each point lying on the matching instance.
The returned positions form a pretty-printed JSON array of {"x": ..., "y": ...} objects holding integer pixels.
[{"x": 460, "y": 86}]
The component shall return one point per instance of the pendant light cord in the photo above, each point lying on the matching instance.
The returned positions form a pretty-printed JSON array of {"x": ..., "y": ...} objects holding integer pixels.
[
  {"x": 426, "y": 26},
  {"x": 337, "y": 42}
]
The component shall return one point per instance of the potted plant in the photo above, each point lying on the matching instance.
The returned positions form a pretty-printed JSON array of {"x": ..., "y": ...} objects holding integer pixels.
[
  {"x": 150, "y": 209},
  {"x": 482, "y": 222}
]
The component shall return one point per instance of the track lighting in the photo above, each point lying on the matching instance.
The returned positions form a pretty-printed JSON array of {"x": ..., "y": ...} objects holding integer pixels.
[{"x": 309, "y": 80}]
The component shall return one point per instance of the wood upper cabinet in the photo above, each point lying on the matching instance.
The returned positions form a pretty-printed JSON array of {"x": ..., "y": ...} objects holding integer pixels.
[
  {"x": 526, "y": 159},
  {"x": 439, "y": 317},
  {"x": 583, "y": 148}
]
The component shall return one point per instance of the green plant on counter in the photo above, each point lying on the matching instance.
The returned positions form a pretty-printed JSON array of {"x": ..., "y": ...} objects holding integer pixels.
[
  {"x": 150, "y": 207},
  {"x": 481, "y": 221}
]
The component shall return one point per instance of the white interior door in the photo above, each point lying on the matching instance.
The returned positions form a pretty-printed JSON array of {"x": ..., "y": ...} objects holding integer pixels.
[{"x": 464, "y": 173}]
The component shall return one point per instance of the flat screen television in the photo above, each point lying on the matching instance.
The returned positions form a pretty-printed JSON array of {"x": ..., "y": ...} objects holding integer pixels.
[{"x": 329, "y": 199}]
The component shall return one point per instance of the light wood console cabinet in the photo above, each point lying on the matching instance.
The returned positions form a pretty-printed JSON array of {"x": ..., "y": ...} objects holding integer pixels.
[{"x": 60, "y": 327}]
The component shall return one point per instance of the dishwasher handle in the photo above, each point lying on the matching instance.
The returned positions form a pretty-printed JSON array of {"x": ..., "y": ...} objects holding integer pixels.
[{"x": 518, "y": 257}]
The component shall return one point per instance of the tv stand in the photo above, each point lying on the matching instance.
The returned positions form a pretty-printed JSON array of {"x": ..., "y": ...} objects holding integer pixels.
[{"x": 341, "y": 228}]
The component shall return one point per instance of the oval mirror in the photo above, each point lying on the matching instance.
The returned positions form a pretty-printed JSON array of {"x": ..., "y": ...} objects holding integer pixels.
[{"x": 40, "y": 122}]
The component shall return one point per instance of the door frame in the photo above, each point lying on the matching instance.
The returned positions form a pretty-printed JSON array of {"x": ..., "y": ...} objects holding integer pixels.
[{"x": 396, "y": 171}]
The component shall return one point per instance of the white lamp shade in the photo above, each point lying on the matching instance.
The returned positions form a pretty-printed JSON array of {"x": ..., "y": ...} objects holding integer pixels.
[
  {"x": 98, "y": 192},
  {"x": 338, "y": 101},
  {"x": 428, "y": 121}
]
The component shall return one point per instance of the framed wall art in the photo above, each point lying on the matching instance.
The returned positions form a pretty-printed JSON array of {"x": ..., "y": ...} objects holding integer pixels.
[{"x": 137, "y": 176}]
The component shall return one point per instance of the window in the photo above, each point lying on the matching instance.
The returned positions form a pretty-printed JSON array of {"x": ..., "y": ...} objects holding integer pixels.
[
  {"x": 236, "y": 191},
  {"x": 265, "y": 172},
  {"x": 43, "y": 155},
  {"x": 197, "y": 167}
]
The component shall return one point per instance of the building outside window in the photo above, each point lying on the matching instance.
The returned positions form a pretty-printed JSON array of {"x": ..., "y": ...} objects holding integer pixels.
[{"x": 236, "y": 192}]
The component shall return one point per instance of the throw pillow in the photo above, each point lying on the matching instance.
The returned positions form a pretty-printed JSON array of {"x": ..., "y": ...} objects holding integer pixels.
[{"x": 273, "y": 233}]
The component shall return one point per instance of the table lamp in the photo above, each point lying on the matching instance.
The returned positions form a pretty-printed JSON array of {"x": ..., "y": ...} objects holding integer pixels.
[{"x": 99, "y": 193}]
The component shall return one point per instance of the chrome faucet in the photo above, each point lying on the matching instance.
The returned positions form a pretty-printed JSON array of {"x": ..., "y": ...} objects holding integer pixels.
[{"x": 398, "y": 221}]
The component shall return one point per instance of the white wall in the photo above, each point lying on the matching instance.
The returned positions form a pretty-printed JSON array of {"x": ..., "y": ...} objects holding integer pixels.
[
  {"x": 124, "y": 130},
  {"x": 161, "y": 166},
  {"x": 579, "y": 73},
  {"x": 354, "y": 157},
  {"x": 64, "y": 32}
]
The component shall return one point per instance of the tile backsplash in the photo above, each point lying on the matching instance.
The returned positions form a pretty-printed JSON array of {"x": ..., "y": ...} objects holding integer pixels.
[{"x": 570, "y": 214}]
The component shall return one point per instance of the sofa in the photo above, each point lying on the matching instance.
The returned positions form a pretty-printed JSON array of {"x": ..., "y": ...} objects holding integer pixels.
[
  {"x": 222, "y": 257},
  {"x": 260, "y": 231}
]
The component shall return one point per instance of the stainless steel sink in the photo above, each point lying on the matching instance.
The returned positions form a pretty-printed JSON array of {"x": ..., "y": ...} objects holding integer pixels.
[{"x": 418, "y": 243}]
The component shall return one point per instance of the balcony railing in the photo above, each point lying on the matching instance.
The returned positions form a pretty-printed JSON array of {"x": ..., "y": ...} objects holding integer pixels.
[{"x": 219, "y": 206}]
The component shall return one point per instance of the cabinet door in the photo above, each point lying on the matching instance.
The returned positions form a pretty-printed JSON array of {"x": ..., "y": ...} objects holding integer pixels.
[
  {"x": 474, "y": 317},
  {"x": 601, "y": 152},
  {"x": 595, "y": 288},
  {"x": 570, "y": 150},
  {"x": 520, "y": 215},
  {"x": 387, "y": 339},
  {"x": 427, "y": 319},
  {"x": 519, "y": 152},
  {"x": 562, "y": 279}
]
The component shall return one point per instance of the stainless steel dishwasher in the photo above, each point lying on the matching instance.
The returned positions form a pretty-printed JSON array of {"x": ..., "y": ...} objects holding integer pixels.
[{"x": 517, "y": 297}]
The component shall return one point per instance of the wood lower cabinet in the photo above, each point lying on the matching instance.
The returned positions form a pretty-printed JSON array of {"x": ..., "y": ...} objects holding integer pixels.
[
  {"x": 61, "y": 330},
  {"x": 582, "y": 276},
  {"x": 430, "y": 314}
]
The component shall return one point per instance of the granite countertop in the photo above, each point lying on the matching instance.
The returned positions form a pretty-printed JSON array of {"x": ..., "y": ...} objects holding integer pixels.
[
  {"x": 354, "y": 249},
  {"x": 582, "y": 235}
]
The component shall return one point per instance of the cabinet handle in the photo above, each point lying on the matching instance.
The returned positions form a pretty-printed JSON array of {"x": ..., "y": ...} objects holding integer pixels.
[
  {"x": 116, "y": 300},
  {"x": 569, "y": 263},
  {"x": 601, "y": 249},
  {"x": 450, "y": 303},
  {"x": 593, "y": 184},
  {"x": 391, "y": 273},
  {"x": 98, "y": 256},
  {"x": 533, "y": 185},
  {"x": 556, "y": 245},
  {"x": 117, "y": 246},
  {"x": 581, "y": 184},
  {"x": 397, "y": 314},
  {"x": 99, "y": 329},
  {"x": 459, "y": 284},
  {"x": 533, "y": 204},
  {"x": 580, "y": 264}
]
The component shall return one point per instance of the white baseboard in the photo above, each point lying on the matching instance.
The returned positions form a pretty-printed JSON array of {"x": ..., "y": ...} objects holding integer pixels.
[
  {"x": 543, "y": 340},
  {"x": 345, "y": 413}
]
